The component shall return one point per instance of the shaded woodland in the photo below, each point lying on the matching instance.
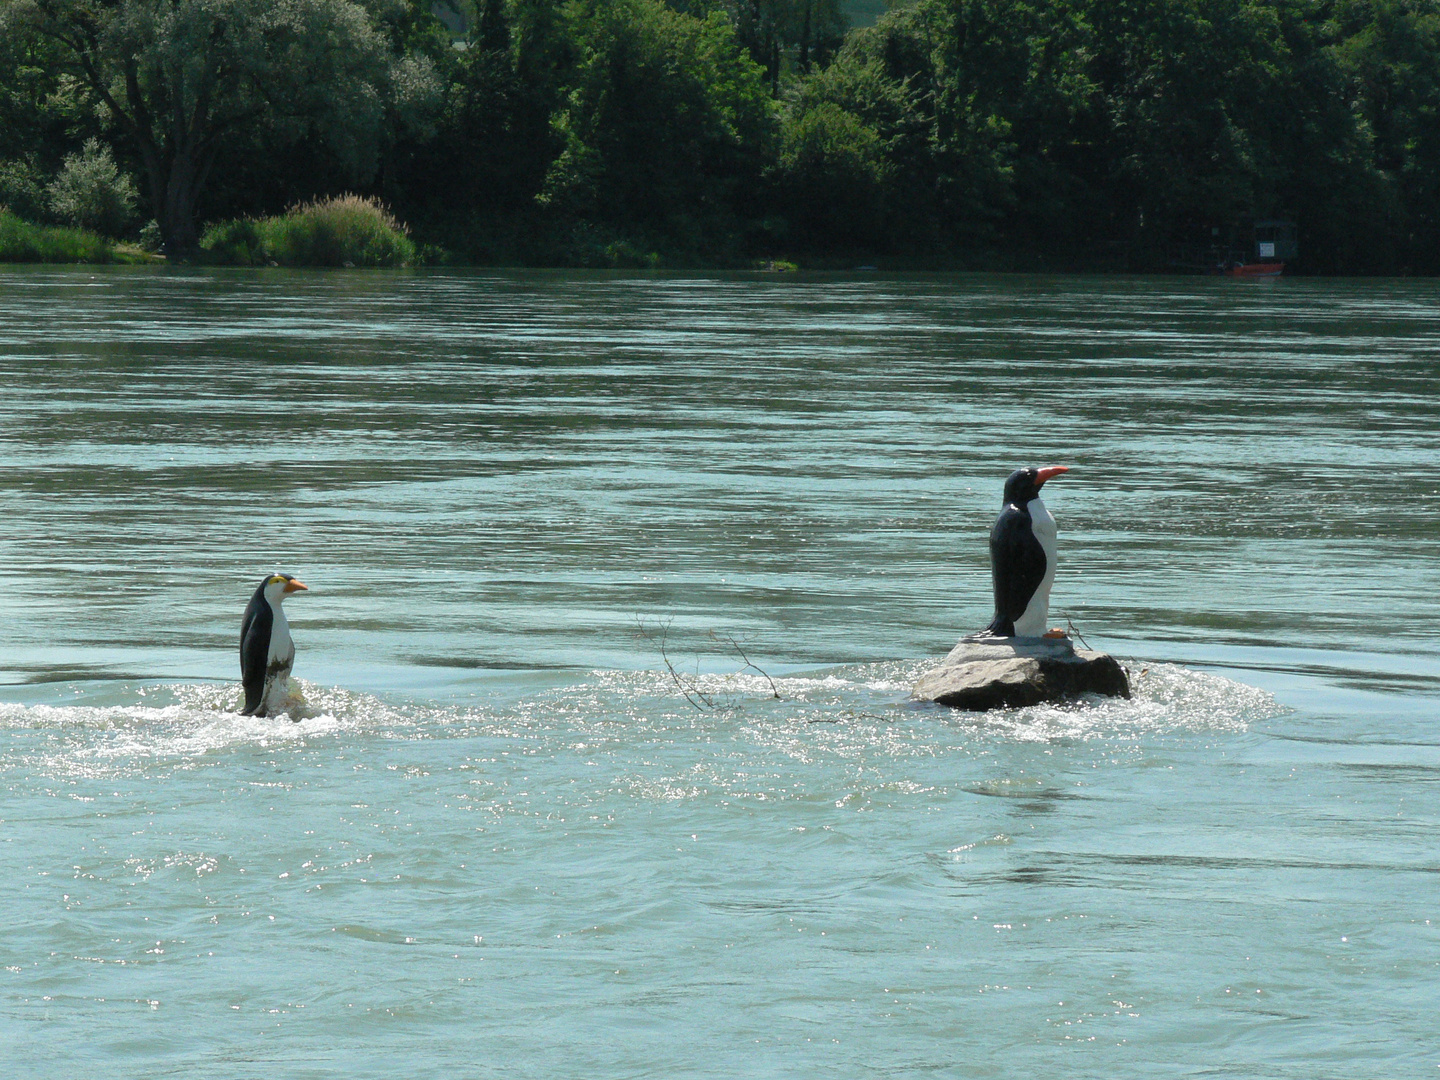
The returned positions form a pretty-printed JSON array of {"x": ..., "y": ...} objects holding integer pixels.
[{"x": 1011, "y": 134}]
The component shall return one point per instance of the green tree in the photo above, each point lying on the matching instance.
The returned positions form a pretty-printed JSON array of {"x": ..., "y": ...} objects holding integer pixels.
[
  {"x": 1073, "y": 128},
  {"x": 474, "y": 184},
  {"x": 784, "y": 34},
  {"x": 854, "y": 155},
  {"x": 1218, "y": 111},
  {"x": 92, "y": 193},
  {"x": 975, "y": 103},
  {"x": 179, "y": 77},
  {"x": 21, "y": 191},
  {"x": 667, "y": 128},
  {"x": 36, "y": 109},
  {"x": 1389, "y": 53}
]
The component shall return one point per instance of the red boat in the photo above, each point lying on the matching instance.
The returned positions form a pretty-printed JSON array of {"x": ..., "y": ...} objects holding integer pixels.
[{"x": 1259, "y": 269}]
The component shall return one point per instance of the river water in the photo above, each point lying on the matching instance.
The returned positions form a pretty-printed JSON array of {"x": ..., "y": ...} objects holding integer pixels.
[{"x": 605, "y": 765}]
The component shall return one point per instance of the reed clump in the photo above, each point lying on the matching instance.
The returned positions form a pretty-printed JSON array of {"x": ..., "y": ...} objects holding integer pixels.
[
  {"x": 344, "y": 230},
  {"x": 23, "y": 241}
]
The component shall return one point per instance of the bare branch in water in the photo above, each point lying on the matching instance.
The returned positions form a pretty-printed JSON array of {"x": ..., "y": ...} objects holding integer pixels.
[
  {"x": 693, "y": 694},
  {"x": 774, "y": 690},
  {"x": 690, "y": 686},
  {"x": 1070, "y": 629},
  {"x": 850, "y": 715}
]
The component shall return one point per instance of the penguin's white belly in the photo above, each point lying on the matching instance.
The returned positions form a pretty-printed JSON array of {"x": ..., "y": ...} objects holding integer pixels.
[
  {"x": 1032, "y": 623},
  {"x": 278, "y": 661},
  {"x": 282, "y": 646}
]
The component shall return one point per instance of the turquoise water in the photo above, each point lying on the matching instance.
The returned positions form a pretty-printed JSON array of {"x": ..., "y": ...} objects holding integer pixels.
[{"x": 606, "y": 766}]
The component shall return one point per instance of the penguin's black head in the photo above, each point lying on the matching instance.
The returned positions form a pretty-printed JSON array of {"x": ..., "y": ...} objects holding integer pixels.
[{"x": 1022, "y": 485}]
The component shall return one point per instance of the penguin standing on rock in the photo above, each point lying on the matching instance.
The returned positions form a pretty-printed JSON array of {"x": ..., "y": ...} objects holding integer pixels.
[
  {"x": 1022, "y": 556},
  {"x": 266, "y": 650}
]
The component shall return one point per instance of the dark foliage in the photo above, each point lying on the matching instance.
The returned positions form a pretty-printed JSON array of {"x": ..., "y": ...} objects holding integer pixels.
[{"x": 1114, "y": 134}]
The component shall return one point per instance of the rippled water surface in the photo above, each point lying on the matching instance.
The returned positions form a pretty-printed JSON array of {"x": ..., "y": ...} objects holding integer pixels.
[{"x": 602, "y": 762}]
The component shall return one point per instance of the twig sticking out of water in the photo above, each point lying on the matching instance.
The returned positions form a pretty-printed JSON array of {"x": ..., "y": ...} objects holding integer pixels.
[
  {"x": 850, "y": 714},
  {"x": 690, "y": 687},
  {"x": 693, "y": 694},
  {"x": 1070, "y": 628},
  {"x": 774, "y": 690}
]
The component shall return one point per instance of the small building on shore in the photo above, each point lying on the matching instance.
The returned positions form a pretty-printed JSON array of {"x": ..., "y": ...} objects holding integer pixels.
[
  {"x": 1274, "y": 241},
  {"x": 1247, "y": 241}
]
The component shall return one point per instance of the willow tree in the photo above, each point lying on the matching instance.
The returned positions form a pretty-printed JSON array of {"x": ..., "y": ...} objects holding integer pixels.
[
  {"x": 667, "y": 126},
  {"x": 180, "y": 77}
]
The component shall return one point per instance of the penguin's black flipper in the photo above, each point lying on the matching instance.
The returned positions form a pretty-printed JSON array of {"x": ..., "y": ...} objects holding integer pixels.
[
  {"x": 1017, "y": 566},
  {"x": 255, "y": 650}
]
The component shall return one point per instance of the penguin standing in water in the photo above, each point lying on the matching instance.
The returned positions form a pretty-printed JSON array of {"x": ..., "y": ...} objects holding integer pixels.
[
  {"x": 266, "y": 651},
  {"x": 1022, "y": 556}
]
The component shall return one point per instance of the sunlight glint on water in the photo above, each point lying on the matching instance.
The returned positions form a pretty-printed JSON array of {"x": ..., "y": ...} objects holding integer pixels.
[{"x": 604, "y": 763}]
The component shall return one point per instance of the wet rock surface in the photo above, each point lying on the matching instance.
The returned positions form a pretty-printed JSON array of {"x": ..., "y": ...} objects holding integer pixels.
[{"x": 990, "y": 673}]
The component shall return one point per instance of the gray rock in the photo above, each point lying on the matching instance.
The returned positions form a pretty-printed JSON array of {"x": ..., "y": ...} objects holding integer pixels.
[{"x": 989, "y": 673}]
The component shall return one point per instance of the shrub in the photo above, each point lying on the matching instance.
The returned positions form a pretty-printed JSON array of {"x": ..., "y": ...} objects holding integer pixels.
[
  {"x": 23, "y": 242},
  {"x": 20, "y": 189},
  {"x": 234, "y": 243},
  {"x": 342, "y": 231},
  {"x": 346, "y": 230},
  {"x": 92, "y": 193},
  {"x": 151, "y": 240}
]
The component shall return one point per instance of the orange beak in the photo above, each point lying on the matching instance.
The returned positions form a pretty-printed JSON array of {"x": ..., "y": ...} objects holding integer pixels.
[
  {"x": 295, "y": 585},
  {"x": 1041, "y": 475}
]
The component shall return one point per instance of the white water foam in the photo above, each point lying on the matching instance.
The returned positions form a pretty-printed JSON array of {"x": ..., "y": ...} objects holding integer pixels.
[
  {"x": 179, "y": 725},
  {"x": 860, "y": 713},
  {"x": 1165, "y": 697}
]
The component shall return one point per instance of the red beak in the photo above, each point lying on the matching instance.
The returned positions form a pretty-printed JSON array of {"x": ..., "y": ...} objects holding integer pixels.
[
  {"x": 295, "y": 585},
  {"x": 1041, "y": 475}
]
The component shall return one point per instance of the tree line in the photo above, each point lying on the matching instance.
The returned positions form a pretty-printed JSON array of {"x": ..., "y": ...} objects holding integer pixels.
[{"x": 1119, "y": 134}]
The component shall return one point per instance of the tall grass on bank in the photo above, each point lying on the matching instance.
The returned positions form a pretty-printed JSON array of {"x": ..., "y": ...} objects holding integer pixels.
[
  {"x": 24, "y": 242},
  {"x": 345, "y": 230}
]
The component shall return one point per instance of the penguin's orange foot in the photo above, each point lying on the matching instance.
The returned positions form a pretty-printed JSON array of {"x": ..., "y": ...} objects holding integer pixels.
[{"x": 1055, "y": 633}]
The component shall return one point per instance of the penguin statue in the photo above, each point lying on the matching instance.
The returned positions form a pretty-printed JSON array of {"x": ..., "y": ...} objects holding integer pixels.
[
  {"x": 1022, "y": 556},
  {"x": 266, "y": 651}
]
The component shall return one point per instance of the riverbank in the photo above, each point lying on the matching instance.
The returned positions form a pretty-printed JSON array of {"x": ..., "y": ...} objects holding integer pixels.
[
  {"x": 351, "y": 231},
  {"x": 24, "y": 241},
  {"x": 343, "y": 231}
]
